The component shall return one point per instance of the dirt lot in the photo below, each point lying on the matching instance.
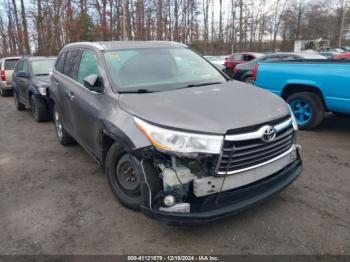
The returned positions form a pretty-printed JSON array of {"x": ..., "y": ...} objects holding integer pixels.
[{"x": 55, "y": 200}]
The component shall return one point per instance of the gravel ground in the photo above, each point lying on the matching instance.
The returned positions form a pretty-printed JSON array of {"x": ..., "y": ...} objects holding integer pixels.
[{"x": 56, "y": 200}]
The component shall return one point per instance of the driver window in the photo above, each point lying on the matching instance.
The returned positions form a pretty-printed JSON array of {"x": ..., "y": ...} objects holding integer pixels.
[
  {"x": 248, "y": 58},
  {"x": 25, "y": 67},
  {"x": 88, "y": 66}
]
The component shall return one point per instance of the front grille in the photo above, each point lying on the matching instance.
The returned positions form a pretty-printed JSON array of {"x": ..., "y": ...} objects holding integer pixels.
[{"x": 238, "y": 155}]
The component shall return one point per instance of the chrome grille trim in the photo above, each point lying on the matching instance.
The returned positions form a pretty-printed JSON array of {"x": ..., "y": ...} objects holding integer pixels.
[
  {"x": 241, "y": 150},
  {"x": 259, "y": 133}
]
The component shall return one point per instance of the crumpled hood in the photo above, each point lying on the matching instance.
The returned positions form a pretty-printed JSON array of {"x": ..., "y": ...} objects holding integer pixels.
[
  {"x": 207, "y": 109},
  {"x": 41, "y": 80}
]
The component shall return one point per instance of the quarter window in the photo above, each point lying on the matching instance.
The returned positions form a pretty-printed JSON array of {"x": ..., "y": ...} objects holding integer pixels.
[
  {"x": 60, "y": 62},
  {"x": 88, "y": 66}
]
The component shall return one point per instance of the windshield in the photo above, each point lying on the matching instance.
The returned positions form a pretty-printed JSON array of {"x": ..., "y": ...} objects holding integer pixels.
[
  {"x": 161, "y": 69},
  {"x": 42, "y": 67}
]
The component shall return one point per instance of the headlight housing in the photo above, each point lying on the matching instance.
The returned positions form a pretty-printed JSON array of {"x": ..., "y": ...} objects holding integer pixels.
[
  {"x": 294, "y": 120},
  {"x": 42, "y": 90},
  {"x": 180, "y": 142}
]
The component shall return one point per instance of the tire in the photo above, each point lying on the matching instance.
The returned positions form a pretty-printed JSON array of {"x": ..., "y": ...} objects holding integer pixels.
[
  {"x": 3, "y": 92},
  {"x": 308, "y": 109},
  {"x": 19, "y": 105},
  {"x": 116, "y": 167},
  {"x": 248, "y": 80},
  {"x": 64, "y": 138},
  {"x": 40, "y": 111}
]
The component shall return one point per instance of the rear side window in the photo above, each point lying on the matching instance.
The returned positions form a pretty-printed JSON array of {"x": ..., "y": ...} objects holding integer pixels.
[
  {"x": 71, "y": 63},
  {"x": 88, "y": 66},
  {"x": 60, "y": 62},
  {"x": 10, "y": 64},
  {"x": 288, "y": 58},
  {"x": 237, "y": 57}
]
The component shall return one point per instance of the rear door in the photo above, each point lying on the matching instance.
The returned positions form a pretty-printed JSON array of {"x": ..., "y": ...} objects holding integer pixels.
[{"x": 64, "y": 84}]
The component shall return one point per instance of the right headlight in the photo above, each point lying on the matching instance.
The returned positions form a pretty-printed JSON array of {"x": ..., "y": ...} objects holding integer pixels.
[
  {"x": 294, "y": 120},
  {"x": 178, "y": 141}
]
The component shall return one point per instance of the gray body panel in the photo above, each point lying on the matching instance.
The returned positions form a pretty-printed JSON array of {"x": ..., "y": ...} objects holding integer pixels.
[{"x": 208, "y": 109}]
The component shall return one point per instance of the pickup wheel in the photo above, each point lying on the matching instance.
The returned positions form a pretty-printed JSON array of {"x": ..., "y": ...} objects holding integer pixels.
[
  {"x": 63, "y": 136},
  {"x": 19, "y": 106},
  {"x": 39, "y": 109},
  {"x": 308, "y": 109},
  {"x": 123, "y": 179}
]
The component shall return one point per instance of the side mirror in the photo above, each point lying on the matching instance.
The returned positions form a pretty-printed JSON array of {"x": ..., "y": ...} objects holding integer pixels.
[
  {"x": 22, "y": 74},
  {"x": 94, "y": 83}
]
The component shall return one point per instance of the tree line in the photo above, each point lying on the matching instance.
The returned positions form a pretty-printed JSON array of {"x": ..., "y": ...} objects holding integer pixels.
[{"x": 43, "y": 27}]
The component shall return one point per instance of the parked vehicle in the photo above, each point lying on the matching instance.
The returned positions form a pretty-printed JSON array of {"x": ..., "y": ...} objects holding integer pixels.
[
  {"x": 30, "y": 84},
  {"x": 338, "y": 50},
  {"x": 239, "y": 58},
  {"x": 220, "y": 60},
  {"x": 310, "y": 87},
  {"x": 7, "y": 65},
  {"x": 244, "y": 72},
  {"x": 343, "y": 56},
  {"x": 328, "y": 54},
  {"x": 166, "y": 134}
]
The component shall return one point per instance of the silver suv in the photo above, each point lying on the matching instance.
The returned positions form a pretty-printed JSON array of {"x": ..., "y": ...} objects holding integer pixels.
[
  {"x": 177, "y": 138},
  {"x": 7, "y": 65}
]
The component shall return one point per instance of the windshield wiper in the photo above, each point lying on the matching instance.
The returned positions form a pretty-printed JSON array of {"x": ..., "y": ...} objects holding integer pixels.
[
  {"x": 41, "y": 74},
  {"x": 138, "y": 91},
  {"x": 201, "y": 84}
]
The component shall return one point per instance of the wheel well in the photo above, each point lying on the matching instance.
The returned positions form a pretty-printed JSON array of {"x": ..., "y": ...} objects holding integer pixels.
[
  {"x": 106, "y": 142},
  {"x": 293, "y": 89}
]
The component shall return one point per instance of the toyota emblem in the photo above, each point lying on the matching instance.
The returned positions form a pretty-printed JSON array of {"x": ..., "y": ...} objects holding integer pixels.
[{"x": 269, "y": 134}]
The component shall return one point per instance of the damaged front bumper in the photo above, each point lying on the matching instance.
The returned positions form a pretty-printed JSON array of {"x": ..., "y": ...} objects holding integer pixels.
[{"x": 220, "y": 204}]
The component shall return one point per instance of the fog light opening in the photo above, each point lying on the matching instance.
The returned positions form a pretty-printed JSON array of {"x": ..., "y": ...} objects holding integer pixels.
[{"x": 169, "y": 200}]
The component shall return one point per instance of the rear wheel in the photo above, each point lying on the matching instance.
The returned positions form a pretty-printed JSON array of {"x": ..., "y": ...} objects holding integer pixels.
[
  {"x": 3, "y": 92},
  {"x": 39, "y": 109},
  {"x": 308, "y": 109},
  {"x": 248, "y": 80},
  {"x": 63, "y": 136},
  {"x": 19, "y": 105},
  {"x": 123, "y": 179}
]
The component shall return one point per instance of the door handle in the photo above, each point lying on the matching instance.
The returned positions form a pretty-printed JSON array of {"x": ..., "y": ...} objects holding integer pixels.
[{"x": 70, "y": 95}]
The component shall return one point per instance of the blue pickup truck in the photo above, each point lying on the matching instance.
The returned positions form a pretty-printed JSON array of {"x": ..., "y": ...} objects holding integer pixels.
[{"x": 310, "y": 87}]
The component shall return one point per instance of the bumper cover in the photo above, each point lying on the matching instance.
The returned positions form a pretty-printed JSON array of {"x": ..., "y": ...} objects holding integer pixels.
[{"x": 245, "y": 197}]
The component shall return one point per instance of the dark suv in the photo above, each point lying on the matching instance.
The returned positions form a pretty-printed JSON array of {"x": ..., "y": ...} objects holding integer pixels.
[
  {"x": 31, "y": 80},
  {"x": 176, "y": 138}
]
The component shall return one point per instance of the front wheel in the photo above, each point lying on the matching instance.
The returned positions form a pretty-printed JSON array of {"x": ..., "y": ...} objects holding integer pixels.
[
  {"x": 308, "y": 109},
  {"x": 122, "y": 177},
  {"x": 40, "y": 111}
]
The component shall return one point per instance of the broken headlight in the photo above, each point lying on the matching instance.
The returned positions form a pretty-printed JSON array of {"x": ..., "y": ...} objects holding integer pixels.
[{"x": 180, "y": 142}]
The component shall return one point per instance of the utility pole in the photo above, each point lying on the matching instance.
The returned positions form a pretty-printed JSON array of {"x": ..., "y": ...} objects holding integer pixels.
[{"x": 125, "y": 37}]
